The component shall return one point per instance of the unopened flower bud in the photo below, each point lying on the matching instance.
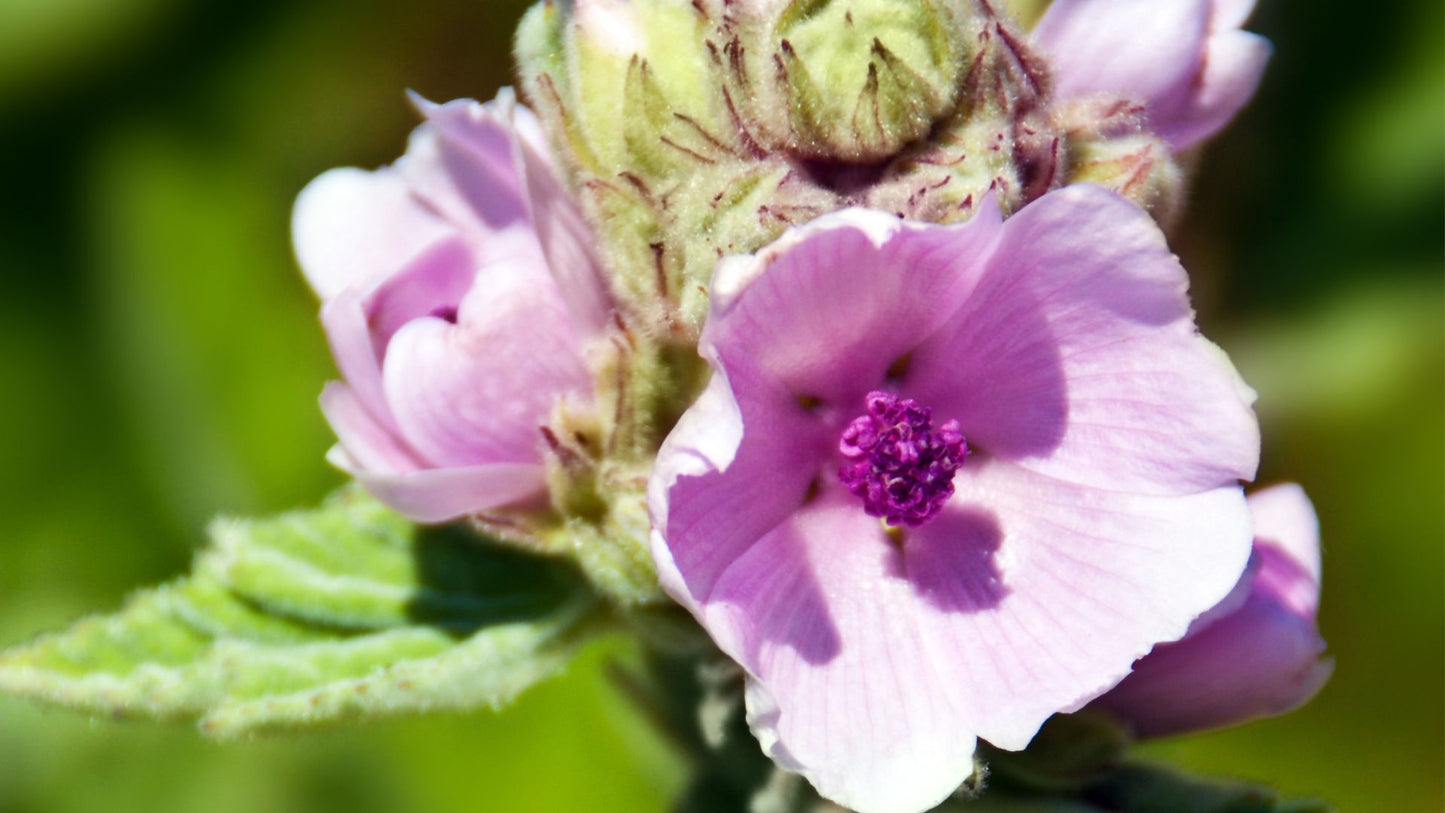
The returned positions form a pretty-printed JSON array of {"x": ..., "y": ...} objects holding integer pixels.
[
  {"x": 863, "y": 78},
  {"x": 1109, "y": 144},
  {"x": 945, "y": 179},
  {"x": 857, "y": 80},
  {"x": 626, "y": 82},
  {"x": 1257, "y": 653},
  {"x": 999, "y": 141}
]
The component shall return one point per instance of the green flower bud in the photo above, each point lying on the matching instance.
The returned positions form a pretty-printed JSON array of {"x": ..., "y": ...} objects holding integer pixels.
[
  {"x": 944, "y": 180},
  {"x": 628, "y": 83},
  {"x": 999, "y": 141},
  {"x": 1109, "y": 145},
  {"x": 849, "y": 80}
]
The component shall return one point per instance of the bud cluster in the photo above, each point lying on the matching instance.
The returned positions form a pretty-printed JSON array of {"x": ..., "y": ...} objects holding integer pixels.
[{"x": 696, "y": 129}]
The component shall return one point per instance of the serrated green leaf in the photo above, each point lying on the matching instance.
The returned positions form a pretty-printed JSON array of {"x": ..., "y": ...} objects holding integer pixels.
[
  {"x": 368, "y": 569},
  {"x": 139, "y": 661},
  {"x": 441, "y": 675},
  {"x": 343, "y": 612}
]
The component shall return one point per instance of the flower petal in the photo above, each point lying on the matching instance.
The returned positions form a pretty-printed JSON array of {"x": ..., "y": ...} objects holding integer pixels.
[
  {"x": 1258, "y": 662},
  {"x": 1076, "y": 356},
  {"x": 1083, "y": 582},
  {"x": 563, "y": 234},
  {"x": 349, "y": 335},
  {"x": 493, "y": 159},
  {"x": 1233, "y": 66},
  {"x": 1262, "y": 659},
  {"x": 1230, "y": 14},
  {"x": 873, "y": 666},
  {"x": 715, "y": 489},
  {"x": 441, "y": 495},
  {"x": 367, "y": 443},
  {"x": 1146, "y": 50},
  {"x": 845, "y": 687},
  {"x": 460, "y": 162},
  {"x": 437, "y": 278},
  {"x": 842, "y": 299},
  {"x": 353, "y": 228},
  {"x": 1230, "y": 603},
  {"x": 476, "y": 391},
  {"x": 1285, "y": 525}
]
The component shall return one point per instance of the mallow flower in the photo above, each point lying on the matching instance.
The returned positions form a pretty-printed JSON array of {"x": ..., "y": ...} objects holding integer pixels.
[
  {"x": 1256, "y": 654},
  {"x": 947, "y": 481},
  {"x": 1186, "y": 61},
  {"x": 459, "y": 295}
]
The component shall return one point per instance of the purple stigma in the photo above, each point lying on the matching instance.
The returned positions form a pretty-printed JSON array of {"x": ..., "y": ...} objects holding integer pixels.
[{"x": 897, "y": 462}]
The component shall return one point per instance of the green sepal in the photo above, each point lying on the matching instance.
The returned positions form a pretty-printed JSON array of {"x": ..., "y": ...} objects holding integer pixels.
[
  {"x": 1110, "y": 145},
  {"x": 1140, "y": 788},
  {"x": 347, "y": 611},
  {"x": 612, "y": 549},
  {"x": 1078, "y": 762},
  {"x": 1070, "y": 751}
]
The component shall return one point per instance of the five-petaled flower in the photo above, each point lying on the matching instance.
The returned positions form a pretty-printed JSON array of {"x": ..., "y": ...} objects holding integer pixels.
[
  {"x": 1097, "y": 513},
  {"x": 459, "y": 294}
]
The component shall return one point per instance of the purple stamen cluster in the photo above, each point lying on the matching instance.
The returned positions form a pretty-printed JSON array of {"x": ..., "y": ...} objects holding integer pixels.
[{"x": 897, "y": 462}]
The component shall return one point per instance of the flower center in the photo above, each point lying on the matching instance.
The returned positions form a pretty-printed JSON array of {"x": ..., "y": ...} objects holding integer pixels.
[{"x": 897, "y": 462}]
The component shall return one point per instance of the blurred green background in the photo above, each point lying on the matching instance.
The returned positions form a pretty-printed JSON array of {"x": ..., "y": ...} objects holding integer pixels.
[{"x": 161, "y": 360}]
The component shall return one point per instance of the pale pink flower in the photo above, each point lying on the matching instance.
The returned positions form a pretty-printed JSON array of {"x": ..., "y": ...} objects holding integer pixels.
[
  {"x": 459, "y": 292},
  {"x": 1186, "y": 61},
  {"x": 1258, "y": 653},
  {"x": 1053, "y": 450}
]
